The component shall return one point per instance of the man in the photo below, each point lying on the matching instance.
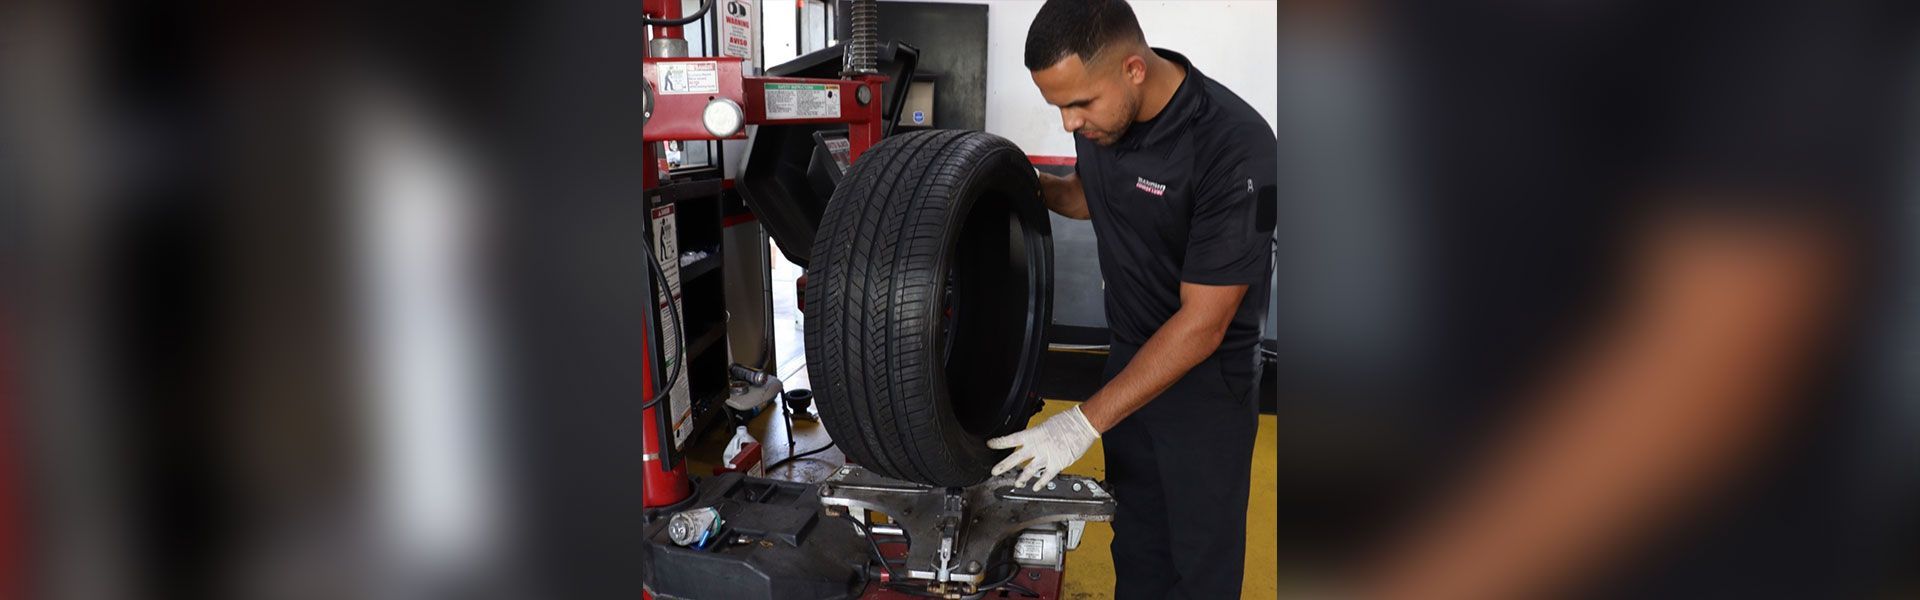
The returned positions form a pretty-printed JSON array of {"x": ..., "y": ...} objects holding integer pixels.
[{"x": 1177, "y": 175}]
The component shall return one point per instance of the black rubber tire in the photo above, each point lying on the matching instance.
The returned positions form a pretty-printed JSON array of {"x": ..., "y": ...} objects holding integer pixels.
[{"x": 929, "y": 295}]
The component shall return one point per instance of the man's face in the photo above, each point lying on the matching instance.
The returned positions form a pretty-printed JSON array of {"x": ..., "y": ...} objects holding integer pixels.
[{"x": 1097, "y": 101}]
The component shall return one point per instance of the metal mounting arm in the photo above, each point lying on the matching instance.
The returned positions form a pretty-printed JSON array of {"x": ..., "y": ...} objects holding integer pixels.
[{"x": 954, "y": 533}]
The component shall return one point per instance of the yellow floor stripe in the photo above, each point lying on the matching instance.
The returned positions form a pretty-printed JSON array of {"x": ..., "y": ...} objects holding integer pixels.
[{"x": 1090, "y": 568}]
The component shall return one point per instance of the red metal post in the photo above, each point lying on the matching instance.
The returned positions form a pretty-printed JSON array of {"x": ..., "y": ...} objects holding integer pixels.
[
  {"x": 662, "y": 487},
  {"x": 677, "y": 116},
  {"x": 865, "y": 132},
  {"x": 664, "y": 9}
]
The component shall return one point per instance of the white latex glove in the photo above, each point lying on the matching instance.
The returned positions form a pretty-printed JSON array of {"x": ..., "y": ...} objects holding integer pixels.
[{"x": 1051, "y": 446}]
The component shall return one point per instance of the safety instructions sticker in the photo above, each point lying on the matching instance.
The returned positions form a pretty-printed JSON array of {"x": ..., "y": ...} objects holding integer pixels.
[
  {"x": 803, "y": 101},
  {"x": 701, "y": 77}
]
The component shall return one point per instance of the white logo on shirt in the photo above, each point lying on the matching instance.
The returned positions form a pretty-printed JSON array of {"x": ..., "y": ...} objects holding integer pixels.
[{"x": 1157, "y": 189}]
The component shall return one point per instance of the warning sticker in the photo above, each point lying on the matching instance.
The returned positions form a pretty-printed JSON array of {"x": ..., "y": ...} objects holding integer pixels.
[
  {"x": 803, "y": 101},
  {"x": 690, "y": 77},
  {"x": 666, "y": 249},
  {"x": 736, "y": 29},
  {"x": 839, "y": 148}
]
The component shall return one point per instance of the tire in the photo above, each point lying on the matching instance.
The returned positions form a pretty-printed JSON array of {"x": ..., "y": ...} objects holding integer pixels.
[{"x": 928, "y": 301}]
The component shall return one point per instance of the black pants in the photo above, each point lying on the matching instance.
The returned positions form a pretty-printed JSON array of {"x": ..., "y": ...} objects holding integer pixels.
[{"x": 1179, "y": 469}]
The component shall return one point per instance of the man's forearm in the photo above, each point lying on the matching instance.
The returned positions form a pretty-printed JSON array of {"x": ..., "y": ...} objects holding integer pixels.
[
  {"x": 1184, "y": 341},
  {"x": 1063, "y": 195},
  {"x": 1685, "y": 387}
]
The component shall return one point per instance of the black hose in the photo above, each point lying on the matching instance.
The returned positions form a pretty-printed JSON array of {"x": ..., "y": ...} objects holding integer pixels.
[
  {"x": 875, "y": 546},
  {"x": 787, "y": 413},
  {"x": 1024, "y": 590},
  {"x": 777, "y": 464},
  {"x": 1004, "y": 582},
  {"x": 679, "y": 330},
  {"x": 687, "y": 20}
]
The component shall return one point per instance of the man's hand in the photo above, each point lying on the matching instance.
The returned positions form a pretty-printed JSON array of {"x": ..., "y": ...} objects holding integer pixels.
[
  {"x": 1051, "y": 447},
  {"x": 1064, "y": 195}
]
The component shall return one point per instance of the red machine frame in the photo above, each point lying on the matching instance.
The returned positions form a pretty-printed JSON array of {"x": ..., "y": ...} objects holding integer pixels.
[{"x": 678, "y": 117}]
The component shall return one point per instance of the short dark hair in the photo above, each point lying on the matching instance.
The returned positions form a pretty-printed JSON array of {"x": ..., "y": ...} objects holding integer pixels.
[{"x": 1081, "y": 28}]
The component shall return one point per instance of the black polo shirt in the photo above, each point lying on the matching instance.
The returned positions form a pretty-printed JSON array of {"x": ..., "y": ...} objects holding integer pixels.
[{"x": 1185, "y": 197}]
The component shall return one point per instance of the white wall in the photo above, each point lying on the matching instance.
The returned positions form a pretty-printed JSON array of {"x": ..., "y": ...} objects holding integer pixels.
[
  {"x": 1231, "y": 41},
  {"x": 777, "y": 32}
]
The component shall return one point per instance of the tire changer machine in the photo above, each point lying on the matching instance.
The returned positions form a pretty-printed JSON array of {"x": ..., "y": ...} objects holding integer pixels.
[{"x": 737, "y": 537}]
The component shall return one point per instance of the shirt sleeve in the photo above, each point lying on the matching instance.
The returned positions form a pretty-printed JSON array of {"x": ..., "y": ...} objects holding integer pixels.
[{"x": 1230, "y": 236}]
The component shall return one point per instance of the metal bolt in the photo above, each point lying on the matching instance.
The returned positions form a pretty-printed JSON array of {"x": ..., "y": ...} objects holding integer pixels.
[
  {"x": 1033, "y": 575},
  {"x": 1076, "y": 486},
  {"x": 1050, "y": 486}
]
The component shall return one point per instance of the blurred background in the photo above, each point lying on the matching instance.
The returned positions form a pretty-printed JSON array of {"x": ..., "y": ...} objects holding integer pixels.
[
  {"x": 335, "y": 300},
  {"x": 1533, "y": 247}
]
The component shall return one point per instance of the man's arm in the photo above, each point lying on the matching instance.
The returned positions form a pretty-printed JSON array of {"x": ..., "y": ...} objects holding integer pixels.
[
  {"x": 1227, "y": 250},
  {"x": 1064, "y": 195},
  {"x": 1185, "y": 340},
  {"x": 1672, "y": 399}
]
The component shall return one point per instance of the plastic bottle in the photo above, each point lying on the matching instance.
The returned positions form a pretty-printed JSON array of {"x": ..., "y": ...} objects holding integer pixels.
[{"x": 740, "y": 440}]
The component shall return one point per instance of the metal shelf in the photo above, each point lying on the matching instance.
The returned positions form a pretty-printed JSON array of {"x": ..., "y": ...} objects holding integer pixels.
[
  {"x": 707, "y": 340},
  {"x": 700, "y": 267}
]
